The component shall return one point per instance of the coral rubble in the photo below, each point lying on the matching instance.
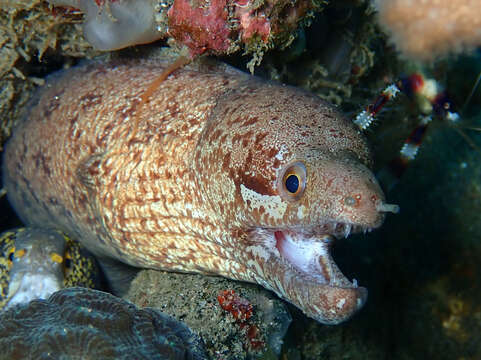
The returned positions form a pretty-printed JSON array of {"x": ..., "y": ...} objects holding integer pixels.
[{"x": 194, "y": 300}]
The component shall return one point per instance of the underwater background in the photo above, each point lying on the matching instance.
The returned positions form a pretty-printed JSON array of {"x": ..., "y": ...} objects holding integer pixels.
[{"x": 422, "y": 267}]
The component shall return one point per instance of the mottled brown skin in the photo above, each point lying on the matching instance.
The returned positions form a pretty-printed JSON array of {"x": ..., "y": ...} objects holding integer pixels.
[{"x": 192, "y": 180}]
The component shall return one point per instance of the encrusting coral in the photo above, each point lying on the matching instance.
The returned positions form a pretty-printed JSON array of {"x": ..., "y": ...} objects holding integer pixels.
[
  {"x": 214, "y": 27},
  {"x": 79, "y": 323},
  {"x": 425, "y": 29}
]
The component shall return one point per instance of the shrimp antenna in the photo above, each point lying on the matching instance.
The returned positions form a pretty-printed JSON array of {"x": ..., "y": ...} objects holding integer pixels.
[{"x": 473, "y": 90}]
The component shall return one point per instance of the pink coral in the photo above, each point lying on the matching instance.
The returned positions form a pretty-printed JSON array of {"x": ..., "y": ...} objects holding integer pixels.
[
  {"x": 252, "y": 22},
  {"x": 222, "y": 26},
  {"x": 201, "y": 26}
]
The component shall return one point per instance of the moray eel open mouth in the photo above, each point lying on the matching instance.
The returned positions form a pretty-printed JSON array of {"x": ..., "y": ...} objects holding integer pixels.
[
  {"x": 309, "y": 252},
  {"x": 299, "y": 267}
]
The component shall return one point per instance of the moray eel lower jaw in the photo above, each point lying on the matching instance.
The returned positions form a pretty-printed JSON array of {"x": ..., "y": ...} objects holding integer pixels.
[
  {"x": 297, "y": 265},
  {"x": 25, "y": 287}
]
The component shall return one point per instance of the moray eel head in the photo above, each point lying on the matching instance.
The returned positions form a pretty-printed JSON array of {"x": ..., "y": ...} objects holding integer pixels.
[{"x": 290, "y": 174}]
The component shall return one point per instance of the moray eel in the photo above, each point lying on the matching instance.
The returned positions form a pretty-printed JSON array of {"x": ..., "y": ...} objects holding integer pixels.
[
  {"x": 35, "y": 262},
  {"x": 217, "y": 173}
]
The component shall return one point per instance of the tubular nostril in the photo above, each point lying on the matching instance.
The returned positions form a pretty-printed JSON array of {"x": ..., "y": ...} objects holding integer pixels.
[{"x": 383, "y": 207}]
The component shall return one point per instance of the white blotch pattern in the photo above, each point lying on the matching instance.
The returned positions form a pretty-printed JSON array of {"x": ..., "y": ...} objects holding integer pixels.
[{"x": 274, "y": 205}]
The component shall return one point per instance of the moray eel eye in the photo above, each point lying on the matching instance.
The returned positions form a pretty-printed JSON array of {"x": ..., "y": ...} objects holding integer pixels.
[{"x": 293, "y": 181}]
